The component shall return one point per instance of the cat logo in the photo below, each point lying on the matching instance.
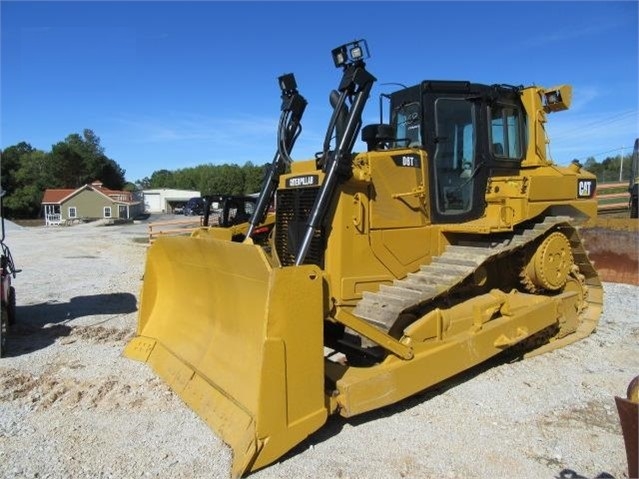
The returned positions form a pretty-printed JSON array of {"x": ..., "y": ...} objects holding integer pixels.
[{"x": 586, "y": 188}]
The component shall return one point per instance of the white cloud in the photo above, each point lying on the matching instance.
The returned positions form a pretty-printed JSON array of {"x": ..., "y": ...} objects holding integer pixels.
[
  {"x": 177, "y": 127},
  {"x": 563, "y": 34},
  {"x": 583, "y": 96}
]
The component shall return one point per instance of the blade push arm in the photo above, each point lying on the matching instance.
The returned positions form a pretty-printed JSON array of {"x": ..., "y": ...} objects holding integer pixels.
[{"x": 345, "y": 123}]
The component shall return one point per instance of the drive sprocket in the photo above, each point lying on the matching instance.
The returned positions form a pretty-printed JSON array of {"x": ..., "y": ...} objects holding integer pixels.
[{"x": 547, "y": 267}]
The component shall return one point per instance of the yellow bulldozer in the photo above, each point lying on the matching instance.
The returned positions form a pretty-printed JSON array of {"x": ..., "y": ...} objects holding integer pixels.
[{"x": 452, "y": 239}]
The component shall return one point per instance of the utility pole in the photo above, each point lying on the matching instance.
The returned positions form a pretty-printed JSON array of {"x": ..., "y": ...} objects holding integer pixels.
[{"x": 621, "y": 166}]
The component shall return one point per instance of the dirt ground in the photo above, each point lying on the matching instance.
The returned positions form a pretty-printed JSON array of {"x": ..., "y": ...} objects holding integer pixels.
[
  {"x": 72, "y": 406},
  {"x": 613, "y": 245}
]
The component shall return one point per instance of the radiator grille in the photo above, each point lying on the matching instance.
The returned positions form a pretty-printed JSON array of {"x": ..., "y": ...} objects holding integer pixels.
[{"x": 293, "y": 210}]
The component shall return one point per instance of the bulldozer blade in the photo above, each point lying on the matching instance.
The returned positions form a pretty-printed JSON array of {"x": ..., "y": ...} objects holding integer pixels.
[{"x": 240, "y": 342}]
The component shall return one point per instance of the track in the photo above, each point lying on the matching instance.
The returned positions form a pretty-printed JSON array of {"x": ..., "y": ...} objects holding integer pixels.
[{"x": 460, "y": 262}]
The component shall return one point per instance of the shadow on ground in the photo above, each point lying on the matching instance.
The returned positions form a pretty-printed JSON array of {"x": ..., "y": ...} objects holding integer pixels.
[
  {"x": 336, "y": 423},
  {"x": 39, "y": 325},
  {"x": 570, "y": 474}
]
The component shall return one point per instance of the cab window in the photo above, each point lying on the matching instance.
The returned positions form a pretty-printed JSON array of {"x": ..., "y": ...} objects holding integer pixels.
[
  {"x": 506, "y": 128},
  {"x": 455, "y": 145},
  {"x": 407, "y": 121}
]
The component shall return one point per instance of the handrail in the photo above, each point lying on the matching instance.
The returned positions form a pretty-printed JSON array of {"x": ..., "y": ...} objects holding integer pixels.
[
  {"x": 616, "y": 184},
  {"x": 176, "y": 228},
  {"x": 615, "y": 201}
]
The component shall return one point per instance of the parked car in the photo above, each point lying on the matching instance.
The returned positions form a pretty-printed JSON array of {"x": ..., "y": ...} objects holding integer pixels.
[{"x": 194, "y": 207}]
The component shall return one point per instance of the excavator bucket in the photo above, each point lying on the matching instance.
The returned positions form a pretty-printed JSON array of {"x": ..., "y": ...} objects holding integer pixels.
[{"x": 239, "y": 341}]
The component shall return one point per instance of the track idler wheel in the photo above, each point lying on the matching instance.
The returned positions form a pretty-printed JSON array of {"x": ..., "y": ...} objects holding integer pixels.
[{"x": 549, "y": 265}]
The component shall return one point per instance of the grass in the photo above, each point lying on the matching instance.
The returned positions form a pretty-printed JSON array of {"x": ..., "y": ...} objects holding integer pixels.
[{"x": 30, "y": 223}]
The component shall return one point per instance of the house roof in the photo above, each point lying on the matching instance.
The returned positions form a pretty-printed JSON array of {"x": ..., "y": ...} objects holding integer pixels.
[
  {"x": 58, "y": 196},
  {"x": 55, "y": 196}
]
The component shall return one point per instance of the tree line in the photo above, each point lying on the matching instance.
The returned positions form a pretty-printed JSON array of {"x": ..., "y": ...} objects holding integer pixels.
[
  {"x": 71, "y": 163},
  {"x": 611, "y": 169},
  {"x": 209, "y": 179},
  {"x": 80, "y": 159}
]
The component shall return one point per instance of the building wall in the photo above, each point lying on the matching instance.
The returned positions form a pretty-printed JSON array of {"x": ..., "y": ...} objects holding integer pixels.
[
  {"x": 88, "y": 204},
  {"x": 159, "y": 200},
  {"x": 153, "y": 202}
]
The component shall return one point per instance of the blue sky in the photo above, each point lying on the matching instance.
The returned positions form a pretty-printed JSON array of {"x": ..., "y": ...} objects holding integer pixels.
[{"x": 169, "y": 85}]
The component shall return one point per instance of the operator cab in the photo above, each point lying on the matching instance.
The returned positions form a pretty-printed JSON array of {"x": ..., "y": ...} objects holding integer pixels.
[{"x": 468, "y": 130}]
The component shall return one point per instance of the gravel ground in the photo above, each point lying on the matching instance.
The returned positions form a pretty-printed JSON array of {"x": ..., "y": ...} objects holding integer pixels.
[{"x": 72, "y": 406}]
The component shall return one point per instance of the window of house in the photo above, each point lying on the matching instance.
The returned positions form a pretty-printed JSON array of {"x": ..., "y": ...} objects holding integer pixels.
[
  {"x": 73, "y": 212},
  {"x": 107, "y": 212}
]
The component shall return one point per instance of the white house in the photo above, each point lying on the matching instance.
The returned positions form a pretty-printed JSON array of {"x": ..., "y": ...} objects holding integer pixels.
[{"x": 165, "y": 200}]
